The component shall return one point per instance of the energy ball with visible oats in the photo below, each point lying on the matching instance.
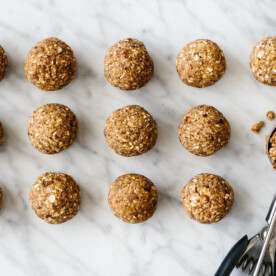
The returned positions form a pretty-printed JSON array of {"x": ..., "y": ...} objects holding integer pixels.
[
  {"x": 207, "y": 198},
  {"x": 50, "y": 64},
  {"x": 52, "y": 128},
  {"x": 3, "y": 63},
  {"x": 200, "y": 63},
  {"x": 133, "y": 198},
  {"x": 204, "y": 130},
  {"x": 55, "y": 197},
  {"x": 130, "y": 131},
  {"x": 128, "y": 65},
  {"x": 1, "y": 133},
  {"x": 262, "y": 61}
]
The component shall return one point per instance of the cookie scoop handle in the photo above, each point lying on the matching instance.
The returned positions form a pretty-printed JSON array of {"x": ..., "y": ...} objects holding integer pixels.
[{"x": 232, "y": 257}]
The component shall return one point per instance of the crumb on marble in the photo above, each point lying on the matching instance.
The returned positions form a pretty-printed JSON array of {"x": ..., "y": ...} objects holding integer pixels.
[
  {"x": 270, "y": 115},
  {"x": 257, "y": 127}
]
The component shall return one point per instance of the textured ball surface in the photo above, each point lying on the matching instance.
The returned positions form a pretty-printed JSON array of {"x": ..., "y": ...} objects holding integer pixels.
[
  {"x": 52, "y": 128},
  {"x": 55, "y": 197},
  {"x": 262, "y": 61},
  {"x": 207, "y": 198},
  {"x": 50, "y": 64},
  {"x": 204, "y": 130},
  {"x": 200, "y": 63},
  {"x": 133, "y": 198},
  {"x": 128, "y": 65},
  {"x": 130, "y": 131}
]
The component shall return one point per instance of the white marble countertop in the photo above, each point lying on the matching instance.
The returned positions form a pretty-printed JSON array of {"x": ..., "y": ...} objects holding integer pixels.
[{"x": 95, "y": 242}]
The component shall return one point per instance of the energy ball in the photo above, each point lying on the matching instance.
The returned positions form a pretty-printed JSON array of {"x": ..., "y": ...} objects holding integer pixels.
[
  {"x": 130, "y": 131},
  {"x": 207, "y": 198},
  {"x": 1, "y": 197},
  {"x": 55, "y": 197},
  {"x": 1, "y": 133},
  {"x": 50, "y": 64},
  {"x": 128, "y": 65},
  {"x": 52, "y": 128},
  {"x": 200, "y": 63},
  {"x": 262, "y": 61},
  {"x": 3, "y": 63},
  {"x": 133, "y": 198},
  {"x": 204, "y": 130}
]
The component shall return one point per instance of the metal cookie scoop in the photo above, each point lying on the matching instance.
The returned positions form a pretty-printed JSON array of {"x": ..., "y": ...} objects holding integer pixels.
[{"x": 239, "y": 255}]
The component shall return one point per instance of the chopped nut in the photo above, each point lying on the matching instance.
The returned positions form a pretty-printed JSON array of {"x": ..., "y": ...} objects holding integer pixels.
[
  {"x": 204, "y": 130},
  {"x": 270, "y": 115},
  {"x": 207, "y": 198},
  {"x": 200, "y": 63},
  {"x": 133, "y": 198},
  {"x": 256, "y": 128}
]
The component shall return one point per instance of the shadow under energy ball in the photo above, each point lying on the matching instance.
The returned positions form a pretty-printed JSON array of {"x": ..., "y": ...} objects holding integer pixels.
[
  {"x": 207, "y": 198},
  {"x": 133, "y": 198},
  {"x": 204, "y": 130},
  {"x": 50, "y": 64},
  {"x": 128, "y": 65},
  {"x": 130, "y": 131},
  {"x": 201, "y": 63},
  {"x": 55, "y": 197},
  {"x": 52, "y": 128}
]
